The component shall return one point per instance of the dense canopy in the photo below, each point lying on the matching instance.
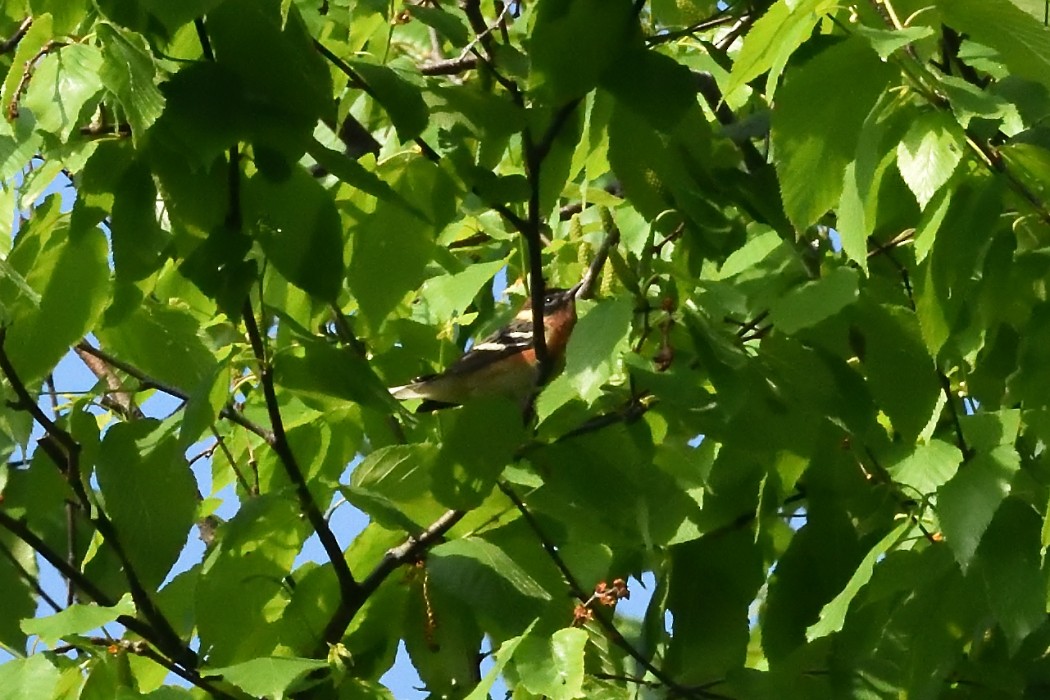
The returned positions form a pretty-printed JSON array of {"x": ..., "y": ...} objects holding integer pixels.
[{"x": 807, "y": 398}]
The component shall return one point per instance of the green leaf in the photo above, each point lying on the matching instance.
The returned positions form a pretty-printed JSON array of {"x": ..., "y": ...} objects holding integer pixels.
[
  {"x": 930, "y": 223},
  {"x": 813, "y": 146},
  {"x": 129, "y": 73},
  {"x": 886, "y": 41},
  {"x": 398, "y": 97},
  {"x": 900, "y": 372},
  {"x": 466, "y": 468},
  {"x": 358, "y": 176},
  {"x": 447, "y": 24},
  {"x": 448, "y": 296},
  {"x": 269, "y": 677},
  {"x": 32, "y": 677},
  {"x": 40, "y": 32},
  {"x": 833, "y": 616},
  {"x": 767, "y": 47},
  {"x": 505, "y": 653},
  {"x": 552, "y": 666},
  {"x": 482, "y": 575},
  {"x": 138, "y": 240},
  {"x": 393, "y": 485},
  {"x": 925, "y": 468},
  {"x": 63, "y": 83},
  {"x": 929, "y": 154},
  {"x": 986, "y": 430},
  {"x": 204, "y": 405},
  {"x": 751, "y": 253},
  {"x": 1020, "y": 39},
  {"x": 17, "y": 561},
  {"x": 76, "y": 619},
  {"x": 298, "y": 227},
  {"x": 319, "y": 371},
  {"x": 713, "y": 581},
  {"x": 165, "y": 341},
  {"x": 812, "y": 302},
  {"x": 286, "y": 88},
  {"x": 969, "y": 101},
  {"x": 241, "y": 586},
  {"x": 594, "y": 349},
  {"x": 573, "y": 44},
  {"x": 967, "y": 503},
  {"x": 150, "y": 495},
  {"x": 389, "y": 233},
  {"x": 1008, "y": 562},
  {"x": 399, "y": 472},
  {"x": 71, "y": 275}
]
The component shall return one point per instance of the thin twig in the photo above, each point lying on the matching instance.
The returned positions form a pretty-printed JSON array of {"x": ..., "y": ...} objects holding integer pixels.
[
  {"x": 117, "y": 399},
  {"x": 451, "y": 66},
  {"x": 28, "y": 577},
  {"x": 228, "y": 412},
  {"x": 701, "y": 26},
  {"x": 535, "y": 153},
  {"x": 27, "y": 73},
  {"x": 12, "y": 41}
]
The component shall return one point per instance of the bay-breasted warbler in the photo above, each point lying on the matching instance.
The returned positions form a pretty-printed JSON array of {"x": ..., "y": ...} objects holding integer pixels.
[{"x": 502, "y": 364}]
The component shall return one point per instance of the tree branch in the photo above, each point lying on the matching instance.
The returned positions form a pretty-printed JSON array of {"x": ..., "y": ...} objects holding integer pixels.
[
  {"x": 12, "y": 41},
  {"x": 590, "y": 278},
  {"x": 452, "y": 66},
  {"x": 535, "y": 153},
  {"x": 409, "y": 551},
  {"x": 348, "y": 585}
]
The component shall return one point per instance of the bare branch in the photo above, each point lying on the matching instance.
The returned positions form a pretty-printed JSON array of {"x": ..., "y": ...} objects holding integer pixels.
[
  {"x": 452, "y": 66},
  {"x": 228, "y": 412}
]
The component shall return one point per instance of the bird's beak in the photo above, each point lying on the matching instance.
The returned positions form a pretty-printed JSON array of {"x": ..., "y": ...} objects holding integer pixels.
[{"x": 575, "y": 289}]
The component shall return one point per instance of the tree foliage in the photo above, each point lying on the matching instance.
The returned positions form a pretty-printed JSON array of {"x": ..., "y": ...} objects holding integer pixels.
[{"x": 810, "y": 399}]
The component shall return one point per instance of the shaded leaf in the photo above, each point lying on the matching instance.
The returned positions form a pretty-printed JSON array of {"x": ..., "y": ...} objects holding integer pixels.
[
  {"x": 833, "y": 616},
  {"x": 298, "y": 227},
  {"x": 150, "y": 495},
  {"x": 812, "y": 302},
  {"x": 967, "y": 503},
  {"x": 481, "y": 574}
]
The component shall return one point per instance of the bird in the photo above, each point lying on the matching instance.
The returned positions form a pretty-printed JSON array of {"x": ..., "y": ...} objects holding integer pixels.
[{"x": 501, "y": 364}]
